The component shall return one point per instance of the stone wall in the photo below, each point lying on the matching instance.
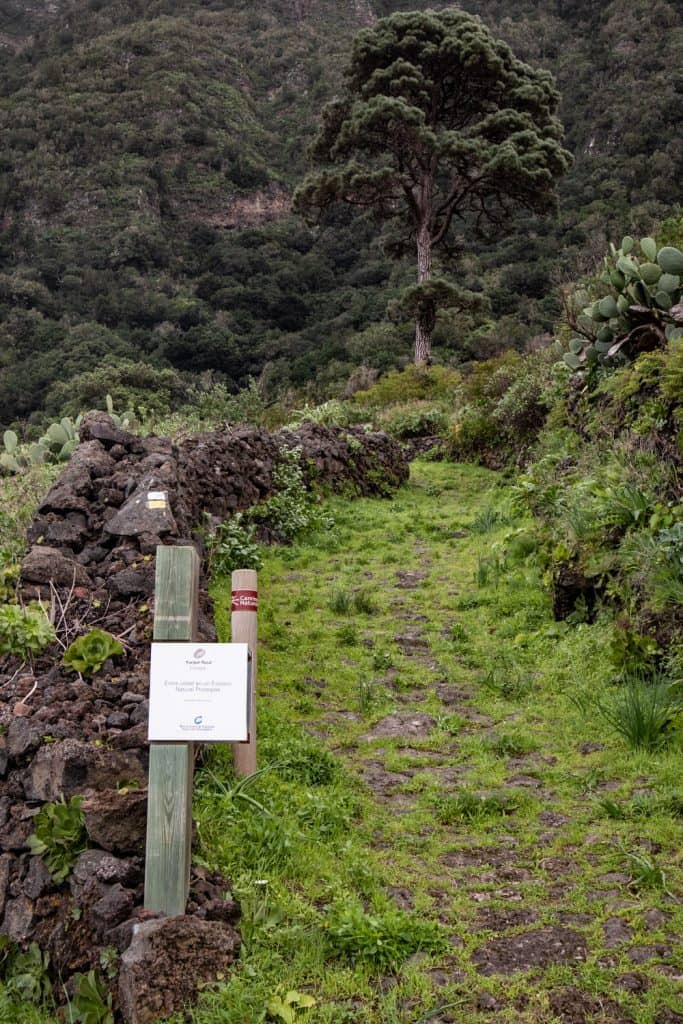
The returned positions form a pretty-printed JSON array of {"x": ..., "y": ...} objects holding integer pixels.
[{"x": 91, "y": 560}]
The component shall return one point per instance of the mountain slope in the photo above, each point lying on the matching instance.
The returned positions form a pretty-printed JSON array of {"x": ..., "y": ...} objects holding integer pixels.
[{"x": 150, "y": 151}]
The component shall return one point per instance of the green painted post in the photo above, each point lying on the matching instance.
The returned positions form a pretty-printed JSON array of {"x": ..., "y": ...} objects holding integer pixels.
[{"x": 171, "y": 765}]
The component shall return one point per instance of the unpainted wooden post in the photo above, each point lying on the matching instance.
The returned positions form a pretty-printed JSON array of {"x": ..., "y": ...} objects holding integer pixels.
[
  {"x": 244, "y": 630},
  {"x": 171, "y": 765}
]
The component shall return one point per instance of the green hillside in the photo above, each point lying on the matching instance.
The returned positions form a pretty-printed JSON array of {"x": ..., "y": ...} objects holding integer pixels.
[{"x": 150, "y": 152}]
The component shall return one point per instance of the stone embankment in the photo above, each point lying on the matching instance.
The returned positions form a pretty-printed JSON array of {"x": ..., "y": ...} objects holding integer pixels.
[{"x": 91, "y": 561}]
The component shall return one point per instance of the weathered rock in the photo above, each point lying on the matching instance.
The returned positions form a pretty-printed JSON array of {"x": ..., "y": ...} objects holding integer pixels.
[
  {"x": 98, "y": 426},
  {"x": 23, "y": 736},
  {"x": 96, "y": 869},
  {"x": 117, "y": 821},
  {"x": 141, "y": 514},
  {"x": 5, "y": 862},
  {"x": 44, "y": 564},
  {"x": 71, "y": 766},
  {"x": 38, "y": 879},
  {"x": 19, "y": 919},
  {"x": 133, "y": 583},
  {"x": 166, "y": 963},
  {"x": 113, "y": 907}
]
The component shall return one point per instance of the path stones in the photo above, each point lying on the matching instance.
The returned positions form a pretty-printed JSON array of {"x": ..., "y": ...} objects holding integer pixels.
[
  {"x": 538, "y": 948},
  {"x": 616, "y": 931},
  {"x": 409, "y": 579},
  {"x": 402, "y": 725}
]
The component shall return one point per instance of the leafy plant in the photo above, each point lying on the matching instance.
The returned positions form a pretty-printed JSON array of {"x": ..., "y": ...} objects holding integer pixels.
[
  {"x": 25, "y": 972},
  {"x": 24, "y": 629},
  {"x": 631, "y": 652},
  {"x": 233, "y": 546},
  {"x": 380, "y": 940},
  {"x": 286, "y": 1006},
  {"x": 238, "y": 790},
  {"x": 641, "y": 310},
  {"x": 60, "y": 836},
  {"x": 292, "y": 510},
  {"x": 92, "y": 1002},
  {"x": 88, "y": 653},
  {"x": 347, "y": 635}
]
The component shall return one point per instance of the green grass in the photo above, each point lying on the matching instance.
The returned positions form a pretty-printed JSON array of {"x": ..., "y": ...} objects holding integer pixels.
[
  {"x": 495, "y": 774},
  {"x": 512, "y": 800}
]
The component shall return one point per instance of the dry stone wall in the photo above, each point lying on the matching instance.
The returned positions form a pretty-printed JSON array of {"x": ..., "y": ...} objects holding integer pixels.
[{"x": 91, "y": 560}]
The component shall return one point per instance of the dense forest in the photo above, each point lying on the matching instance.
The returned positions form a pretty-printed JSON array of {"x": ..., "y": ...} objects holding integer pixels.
[{"x": 149, "y": 157}]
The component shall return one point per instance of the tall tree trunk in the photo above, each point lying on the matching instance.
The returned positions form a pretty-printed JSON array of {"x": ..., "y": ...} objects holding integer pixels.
[{"x": 425, "y": 317}]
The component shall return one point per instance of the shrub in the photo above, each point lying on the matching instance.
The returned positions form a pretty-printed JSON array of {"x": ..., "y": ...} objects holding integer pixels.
[
  {"x": 232, "y": 546},
  {"x": 411, "y": 384},
  {"x": 417, "y": 420},
  {"x": 292, "y": 510}
]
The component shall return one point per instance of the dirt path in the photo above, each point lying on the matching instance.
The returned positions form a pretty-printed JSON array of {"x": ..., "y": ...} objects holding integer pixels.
[{"x": 496, "y": 808}]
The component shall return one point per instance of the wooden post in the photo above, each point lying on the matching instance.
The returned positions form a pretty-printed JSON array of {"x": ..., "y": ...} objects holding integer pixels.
[
  {"x": 171, "y": 765},
  {"x": 244, "y": 631}
]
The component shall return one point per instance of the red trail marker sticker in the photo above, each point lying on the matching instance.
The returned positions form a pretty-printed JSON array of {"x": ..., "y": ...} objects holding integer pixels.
[{"x": 245, "y": 601}]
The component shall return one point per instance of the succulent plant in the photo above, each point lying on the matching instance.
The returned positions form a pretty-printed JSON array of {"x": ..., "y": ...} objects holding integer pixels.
[{"x": 641, "y": 310}]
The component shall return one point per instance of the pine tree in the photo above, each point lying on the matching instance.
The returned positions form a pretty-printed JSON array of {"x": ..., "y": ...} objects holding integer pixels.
[{"x": 441, "y": 132}]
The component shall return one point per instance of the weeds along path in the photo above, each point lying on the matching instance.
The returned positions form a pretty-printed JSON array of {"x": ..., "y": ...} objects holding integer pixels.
[{"x": 443, "y": 836}]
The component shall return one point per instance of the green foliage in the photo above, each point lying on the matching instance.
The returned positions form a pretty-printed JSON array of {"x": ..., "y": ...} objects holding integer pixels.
[
  {"x": 293, "y": 510},
  {"x": 24, "y": 630},
  {"x": 412, "y": 384},
  {"x": 60, "y": 836},
  {"x": 641, "y": 311},
  {"x": 232, "y": 545},
  {"x": 25, "y": 972},
  {"x": 394, "y": 140},
  {"x": 643, "y": 712},
  {"x": 503, "y": 406},
  {"x": 88, "y": 653},
  {"x": 285, "y": 1006},
  {"x": 465, "y": 805},
  {"x": 346, "y": 602},
  {"x": 405, "y": 422},
  {"x": 380, "y": 940},
  {"x": 92, "y": 1003},
  {"x": 645, "y": 873}
]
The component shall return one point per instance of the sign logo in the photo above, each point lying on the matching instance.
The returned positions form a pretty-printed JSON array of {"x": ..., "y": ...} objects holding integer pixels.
[
  {"x": 199, "y": 653},
  {"x": 199, "y": 719},
  {"x": 244, "y": 600}
]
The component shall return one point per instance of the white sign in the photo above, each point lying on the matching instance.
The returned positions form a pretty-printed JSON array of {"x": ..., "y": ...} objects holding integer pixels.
[{"x": 199, "y": 692}]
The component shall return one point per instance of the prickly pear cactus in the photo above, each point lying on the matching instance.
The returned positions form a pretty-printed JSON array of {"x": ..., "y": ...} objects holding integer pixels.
[{"x": 642, "y": 307}]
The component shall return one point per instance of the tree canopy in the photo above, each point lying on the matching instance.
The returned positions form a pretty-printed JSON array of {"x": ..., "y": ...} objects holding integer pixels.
[{"x": 442, "y": 132}]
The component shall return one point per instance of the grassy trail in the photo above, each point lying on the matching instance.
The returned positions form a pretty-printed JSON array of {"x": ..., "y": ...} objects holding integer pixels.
[{"x": 416, "y": 642}]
